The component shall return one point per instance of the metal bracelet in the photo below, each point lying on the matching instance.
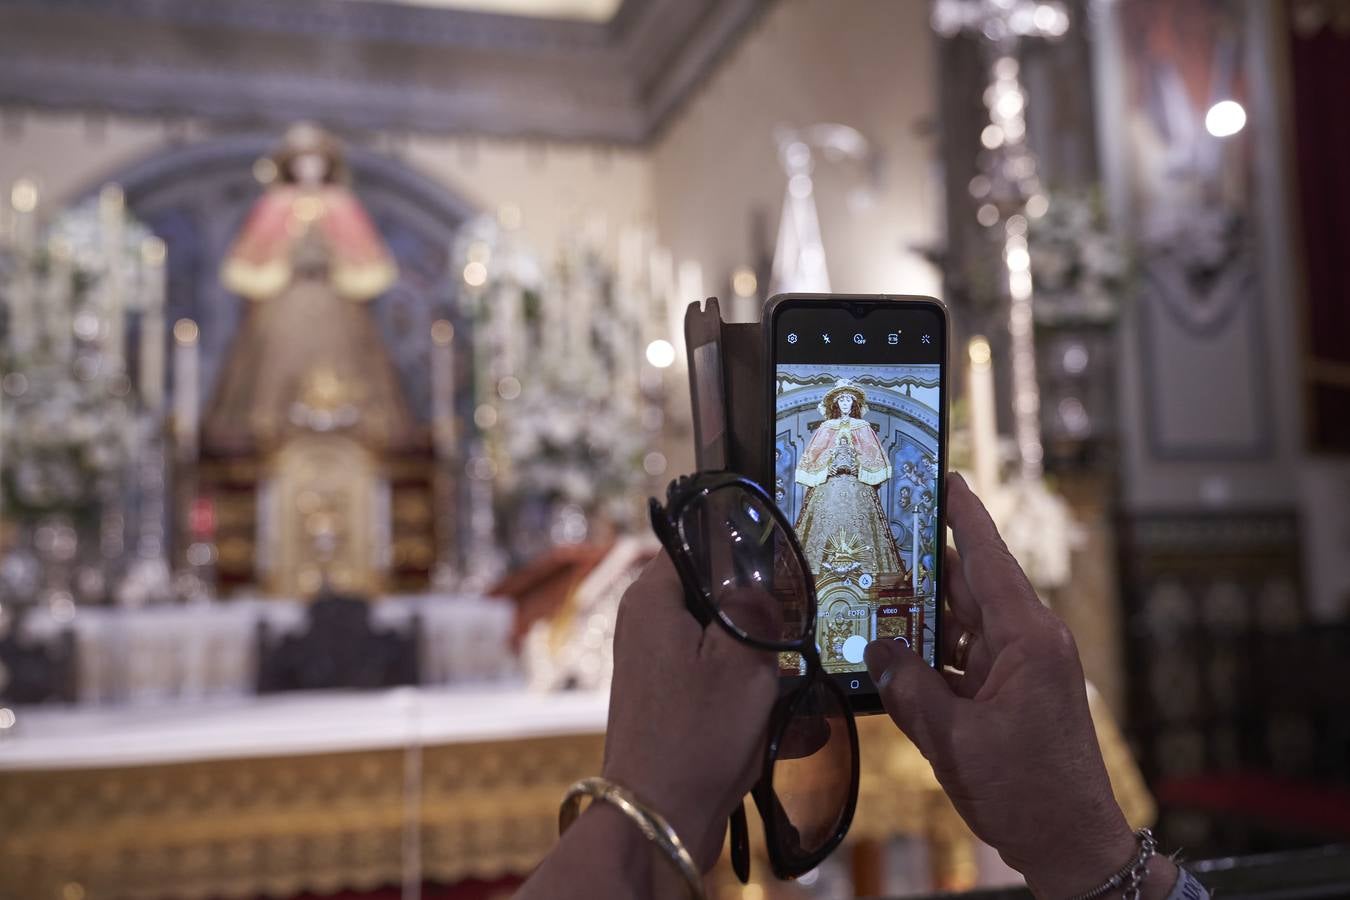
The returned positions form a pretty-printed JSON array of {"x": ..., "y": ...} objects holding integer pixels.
[
  {"x": 652, "y": 824},
  {"x": 1129, "y": 879}
]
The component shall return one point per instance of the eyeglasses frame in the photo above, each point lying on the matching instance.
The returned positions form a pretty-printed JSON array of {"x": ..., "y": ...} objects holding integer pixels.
[{"x": 665, "y": 520}]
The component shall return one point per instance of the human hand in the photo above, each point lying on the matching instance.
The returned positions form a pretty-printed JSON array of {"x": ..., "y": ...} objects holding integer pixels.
[
  {"x": 1011, "y": 740},
  {"x": 688, "y": 711}
]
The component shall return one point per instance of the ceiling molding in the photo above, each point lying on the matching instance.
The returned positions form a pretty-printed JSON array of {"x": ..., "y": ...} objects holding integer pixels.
[{"x": 361, "y": 65}]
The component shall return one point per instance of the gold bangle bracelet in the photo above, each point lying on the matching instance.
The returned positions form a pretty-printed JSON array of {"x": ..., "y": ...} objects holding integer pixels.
[{"x": 652, "y": 824}]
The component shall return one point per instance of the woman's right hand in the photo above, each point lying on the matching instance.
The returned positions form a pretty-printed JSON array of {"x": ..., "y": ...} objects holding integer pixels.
[{"x": 1011, "y": 740}]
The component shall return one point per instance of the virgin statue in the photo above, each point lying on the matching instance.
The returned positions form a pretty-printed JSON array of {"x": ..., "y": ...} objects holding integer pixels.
[
  {"x": 307, "y": 356},
  {"x": 842, "y": 526}
]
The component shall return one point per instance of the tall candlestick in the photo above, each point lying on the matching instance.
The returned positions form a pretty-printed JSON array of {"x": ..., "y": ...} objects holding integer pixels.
[
  {"x": 983, "y": 422},
  {"x": 185, "y": 386},
  {"x": 152, "y": 326},
  {"x": 443, "y": 387},
  {"x": 1022, "y": 338}
]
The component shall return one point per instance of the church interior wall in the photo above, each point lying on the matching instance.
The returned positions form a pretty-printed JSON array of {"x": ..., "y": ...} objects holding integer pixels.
[
  {"x": 718, "y": 185},
  {"x": 559, "y": 188}
]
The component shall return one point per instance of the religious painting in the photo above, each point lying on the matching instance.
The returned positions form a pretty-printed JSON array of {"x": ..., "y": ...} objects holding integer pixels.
[
  {"x": 1190, "y": 175},
  {"x": 1182, "y": 158},
  {"x": 856, "y": 473}
]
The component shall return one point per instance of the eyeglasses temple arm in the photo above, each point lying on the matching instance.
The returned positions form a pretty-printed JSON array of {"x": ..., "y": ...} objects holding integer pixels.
[{"x": 740, "y": 844}]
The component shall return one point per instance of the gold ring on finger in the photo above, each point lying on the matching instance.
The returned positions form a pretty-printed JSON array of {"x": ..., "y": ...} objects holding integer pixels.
[{"x": 962, "y": 654}]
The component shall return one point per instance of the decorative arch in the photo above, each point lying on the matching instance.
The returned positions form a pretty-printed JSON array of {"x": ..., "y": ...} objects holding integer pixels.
[{"x": 195, "y": 197}]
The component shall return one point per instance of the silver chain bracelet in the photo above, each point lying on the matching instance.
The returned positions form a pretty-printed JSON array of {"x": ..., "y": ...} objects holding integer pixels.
[{"x": 1130, "y": 878}]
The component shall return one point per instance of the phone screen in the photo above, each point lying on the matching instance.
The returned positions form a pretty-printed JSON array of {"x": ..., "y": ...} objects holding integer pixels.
[{"x": 858, "y": 440}]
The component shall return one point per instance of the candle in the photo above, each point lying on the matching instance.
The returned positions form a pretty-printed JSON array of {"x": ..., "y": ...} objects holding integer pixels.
[
  {"x": 691, "y": 291},
  {"x": 23, "y": 197},
  {"x": 552, "y": 316},
  {"x": 185, "y": 380},
  {"x": 578, "y": 310},
  {"x": 443, "y": 387},
  {"x": 23, "y": 200},
  {"x": 57, "y": 300},
  {"x": 152, "y": 326},
  {"x": 111, "y": 207},
  {"x": 510, "y": 320},
  {"x": 914, "y": 556},
  {"x": 626, "y": 332},
  {"x": 629, "y": 275},
  {"x": 983, "y": 422},
  {"x": 661, "y": 275}
]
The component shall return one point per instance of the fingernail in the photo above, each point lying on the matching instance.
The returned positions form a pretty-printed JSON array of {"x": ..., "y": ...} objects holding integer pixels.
[{"x": 879, "y": 655}]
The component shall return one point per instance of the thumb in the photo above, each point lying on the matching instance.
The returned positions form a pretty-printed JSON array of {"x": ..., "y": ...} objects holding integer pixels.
[{"x": 917, "y": 697}]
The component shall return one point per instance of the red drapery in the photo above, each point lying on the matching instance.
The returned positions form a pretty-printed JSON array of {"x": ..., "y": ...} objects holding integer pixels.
[{"x": 1320, "y": 69}]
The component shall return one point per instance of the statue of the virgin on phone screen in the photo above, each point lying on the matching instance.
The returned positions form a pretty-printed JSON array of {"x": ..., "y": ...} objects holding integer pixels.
[{"x": 842, "y": 526}]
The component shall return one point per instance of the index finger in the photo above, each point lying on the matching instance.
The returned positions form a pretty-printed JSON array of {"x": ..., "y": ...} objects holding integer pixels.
[{"x": 996, "y": 580}]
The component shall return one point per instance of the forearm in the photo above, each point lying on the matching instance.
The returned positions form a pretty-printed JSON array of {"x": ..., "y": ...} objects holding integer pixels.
[{"x": 602, "y": 856}]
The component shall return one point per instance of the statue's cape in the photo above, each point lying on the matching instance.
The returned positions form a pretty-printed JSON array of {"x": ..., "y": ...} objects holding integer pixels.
[
  {"x": 873, "y": 467},
  {"x": 259, "y": 265}
]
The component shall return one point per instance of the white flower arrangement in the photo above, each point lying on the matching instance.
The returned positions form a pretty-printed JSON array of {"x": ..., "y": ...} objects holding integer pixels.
[
  {"x": 1038, "y": 528},
  {"x": 1078, "y": 267},
  {"x": 573, "y": 443},
  {"x": 569, "y": 440},
  {"x": 66, "y": 412}
]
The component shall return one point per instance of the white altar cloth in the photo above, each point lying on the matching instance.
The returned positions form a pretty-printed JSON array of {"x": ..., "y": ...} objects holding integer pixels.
[
  {"x": 296, "y": 724},
  {"x": 195, "y": 651}
]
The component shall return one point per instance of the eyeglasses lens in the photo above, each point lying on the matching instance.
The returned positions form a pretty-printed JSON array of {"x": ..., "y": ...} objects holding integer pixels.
[{"x": 746, "y": 561}]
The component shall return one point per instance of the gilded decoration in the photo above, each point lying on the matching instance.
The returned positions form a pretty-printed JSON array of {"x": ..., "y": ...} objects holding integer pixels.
[{"x": 321, "y": 823}]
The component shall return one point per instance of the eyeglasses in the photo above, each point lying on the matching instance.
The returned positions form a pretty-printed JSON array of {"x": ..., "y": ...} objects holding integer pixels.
[{"x": 741, "y": 566}]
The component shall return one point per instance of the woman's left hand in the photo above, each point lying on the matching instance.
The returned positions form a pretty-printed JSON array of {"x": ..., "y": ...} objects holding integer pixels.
[{"x": 688, "y": 711}]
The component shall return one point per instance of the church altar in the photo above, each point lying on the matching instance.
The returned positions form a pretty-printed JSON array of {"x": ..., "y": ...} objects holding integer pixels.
[
  {"x": 206, "y": 650},
  {"x": 322, "y": 792},
  {"x": 366, "y": 429}
]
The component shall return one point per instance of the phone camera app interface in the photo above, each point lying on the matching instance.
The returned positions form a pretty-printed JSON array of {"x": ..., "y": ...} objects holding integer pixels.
[{"x": 856, "y": 457}]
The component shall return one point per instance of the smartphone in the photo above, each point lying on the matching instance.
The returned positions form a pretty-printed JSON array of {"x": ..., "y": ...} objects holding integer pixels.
[{"x": 857, "y": 439}]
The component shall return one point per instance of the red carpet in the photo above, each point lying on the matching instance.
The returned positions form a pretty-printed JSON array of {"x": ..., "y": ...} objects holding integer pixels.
[{"x": 467, "y": 890}]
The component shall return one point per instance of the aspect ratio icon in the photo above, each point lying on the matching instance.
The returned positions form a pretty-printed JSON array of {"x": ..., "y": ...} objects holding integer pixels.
[
  {"x": 792, "y": 337},
  {"x": 859, "y": 339},
  {"x": 893, "y": 337}
]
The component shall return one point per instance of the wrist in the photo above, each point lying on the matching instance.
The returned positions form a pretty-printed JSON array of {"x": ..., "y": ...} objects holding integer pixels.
[
  {"x": 1076, "y": 866},
  {"x": 603, "y": 854},
  {"x": 1162, "y": 877},
  {"x": 698, "y": 825}
]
